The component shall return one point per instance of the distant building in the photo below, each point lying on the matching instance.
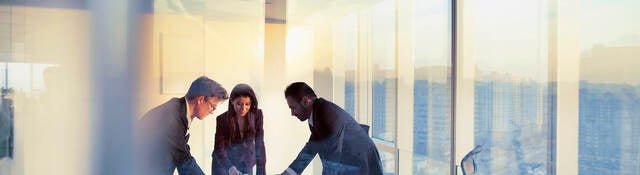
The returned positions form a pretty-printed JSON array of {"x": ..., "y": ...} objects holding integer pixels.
[{"x": 609, "y": 139}]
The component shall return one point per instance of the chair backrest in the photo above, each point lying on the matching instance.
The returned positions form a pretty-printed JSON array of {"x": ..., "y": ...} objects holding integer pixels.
[{"x": 468, "y": 163}]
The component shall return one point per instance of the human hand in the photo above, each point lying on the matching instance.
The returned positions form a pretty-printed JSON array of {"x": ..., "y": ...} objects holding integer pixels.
[
  {"x": 234, "y": 171},
  {"x": 288, "y": 171}
]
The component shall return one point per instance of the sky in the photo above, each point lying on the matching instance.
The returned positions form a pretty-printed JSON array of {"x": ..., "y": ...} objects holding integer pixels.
[{"x": 610, "y": 23}]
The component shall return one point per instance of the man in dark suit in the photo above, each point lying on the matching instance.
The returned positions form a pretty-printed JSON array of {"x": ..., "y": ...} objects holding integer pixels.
[
  {"x": 343, "y": 145},
  {"x": 163, "y": 133}
]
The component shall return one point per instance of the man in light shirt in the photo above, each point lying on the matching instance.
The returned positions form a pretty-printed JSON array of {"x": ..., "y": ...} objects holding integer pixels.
[{"x": 343, "y": 145}]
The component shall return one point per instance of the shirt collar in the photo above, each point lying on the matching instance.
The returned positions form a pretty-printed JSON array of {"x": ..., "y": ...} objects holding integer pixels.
[
  {"x": 189, "y": 118},
  {"x": 311, "y": 119}
]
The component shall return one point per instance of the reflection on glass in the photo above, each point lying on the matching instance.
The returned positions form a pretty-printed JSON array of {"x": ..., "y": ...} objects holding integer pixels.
[
  {"x": 44, "y": 105},
  {"x": 28, "y": 96},
  {"x": 432, "y": 88},
  {"x": 384, "y": 74},
  {"x": 20, "y": 81},
  {"x": 513, "y": 113},
  {"x": 609, "y": 102}
]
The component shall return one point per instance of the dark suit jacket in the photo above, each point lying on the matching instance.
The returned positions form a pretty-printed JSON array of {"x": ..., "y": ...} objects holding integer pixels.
[
  {"x": 343, "y": 145},
  {"x": 163, "y": 131},
  {"x": 232, "y": 150}
]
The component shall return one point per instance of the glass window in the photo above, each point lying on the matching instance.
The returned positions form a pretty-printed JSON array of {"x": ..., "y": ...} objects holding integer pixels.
[
  {"x": 384, "y": 74},
  {"x": 432, "y": 88},
  {"x": 513, "y": 114},
  {"x": 346, "y": 49},
  {"x": 609, "y": 100},
  {"x": 388, "y": 162}
]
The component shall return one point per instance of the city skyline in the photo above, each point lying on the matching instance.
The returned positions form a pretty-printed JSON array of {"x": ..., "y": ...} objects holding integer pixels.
[{"x": 515, "y": 125}]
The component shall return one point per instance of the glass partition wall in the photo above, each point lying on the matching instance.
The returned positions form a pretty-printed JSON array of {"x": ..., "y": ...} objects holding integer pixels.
[
  {"x": 76, "y": 74},
  {"x": 545, "y": 87},
  {"x": 517, "y": 90},
  {"x": 390, "y": 68}
]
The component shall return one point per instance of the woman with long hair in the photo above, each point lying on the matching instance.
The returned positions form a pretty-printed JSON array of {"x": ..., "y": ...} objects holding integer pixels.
[{"x": 239, "y": 138}]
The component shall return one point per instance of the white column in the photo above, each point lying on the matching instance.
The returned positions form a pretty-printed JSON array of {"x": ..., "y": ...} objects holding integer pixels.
[
  {"x": 405, "y": 72},
  {"x": 464, "y": 83},
  {"x": 273, "y": 104},
  {"x": 567, "y": 61}
]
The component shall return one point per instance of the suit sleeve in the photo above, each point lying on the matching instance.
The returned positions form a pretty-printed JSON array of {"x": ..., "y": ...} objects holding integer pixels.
[
  {"x": 261, "y": 158},
  {"x": 219, "y": 153},
  {"x": 181, "y": 151},
  {"x": 304, "y": 157}
]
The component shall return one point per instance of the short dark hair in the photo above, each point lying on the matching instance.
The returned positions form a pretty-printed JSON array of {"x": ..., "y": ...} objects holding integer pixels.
[
  {"x": 299, "y": 89},
  {"x": 204, "y": 86}
]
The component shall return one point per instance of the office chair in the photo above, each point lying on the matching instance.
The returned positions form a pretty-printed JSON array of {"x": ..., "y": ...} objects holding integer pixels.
[{"x": 468, "y": 163}]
